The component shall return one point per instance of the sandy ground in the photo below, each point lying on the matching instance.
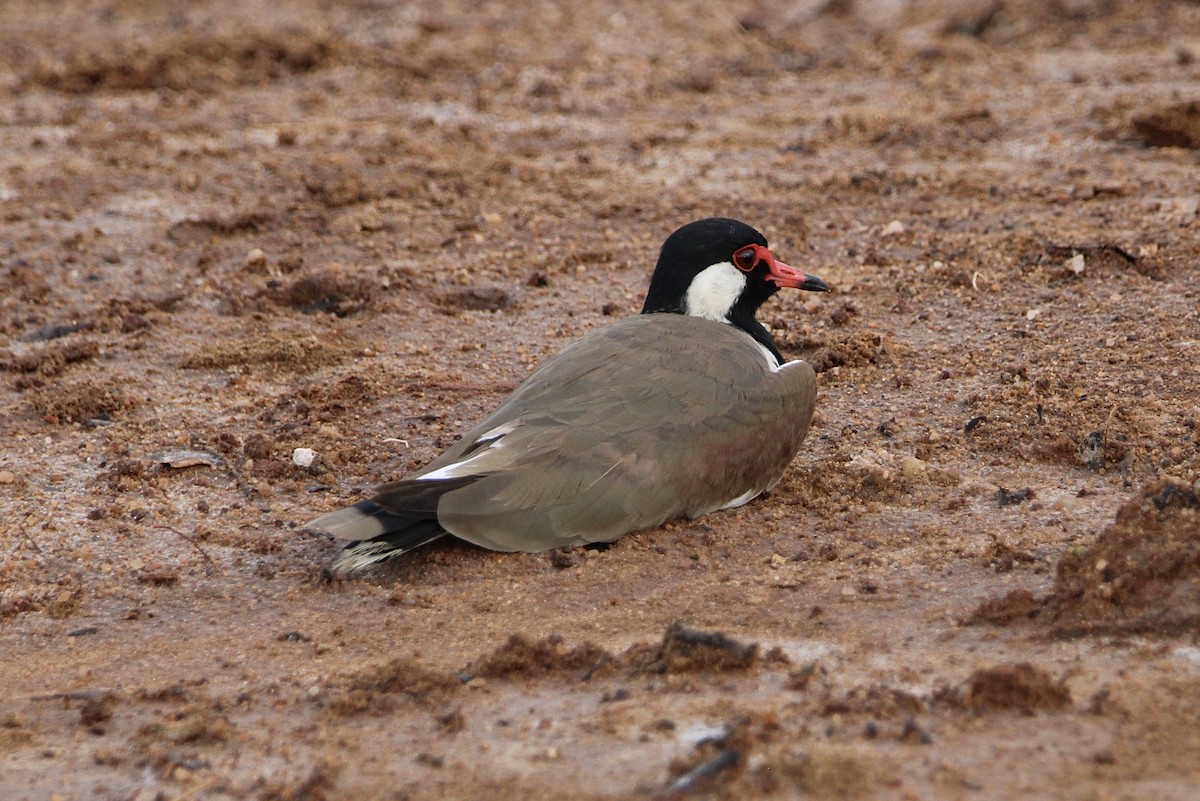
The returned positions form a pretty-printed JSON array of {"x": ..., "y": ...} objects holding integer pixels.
[{"x": 229, "y": 232}]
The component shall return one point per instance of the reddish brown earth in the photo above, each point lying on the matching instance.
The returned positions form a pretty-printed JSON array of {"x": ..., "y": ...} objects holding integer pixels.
[{"x": 234, "y": 230}]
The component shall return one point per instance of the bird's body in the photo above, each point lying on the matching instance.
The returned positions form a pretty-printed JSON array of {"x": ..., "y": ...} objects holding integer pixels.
[{"x": 655, "y": 417}]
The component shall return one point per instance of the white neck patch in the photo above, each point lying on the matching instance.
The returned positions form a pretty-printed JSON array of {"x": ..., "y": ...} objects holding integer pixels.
[{"x": 714, "y": 291}]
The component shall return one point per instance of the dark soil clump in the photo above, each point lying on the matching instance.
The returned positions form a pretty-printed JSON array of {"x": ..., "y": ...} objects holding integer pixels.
[
  {"x": 521, "y": 658},
  {"x": 1143, "y": 573},
  {"x": 1015, "y": 686}
]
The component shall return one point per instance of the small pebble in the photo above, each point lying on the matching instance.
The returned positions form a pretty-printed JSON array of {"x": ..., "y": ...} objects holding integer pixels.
[
  {"x": 7, "y": 477},
  {"x": 304, "y": 457},
  {"x": 894, "y": 228},
  {"x": 255, "y": 257}
]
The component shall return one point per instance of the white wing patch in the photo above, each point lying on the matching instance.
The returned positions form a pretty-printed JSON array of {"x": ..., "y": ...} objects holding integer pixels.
[
  {"x": 498, "y": 432},
  {"x": 495, "y": 440},
  {"x": 743, "y": 499},
  {"x": 714, "y": 291},
  {"x": 772, "y": 362}
]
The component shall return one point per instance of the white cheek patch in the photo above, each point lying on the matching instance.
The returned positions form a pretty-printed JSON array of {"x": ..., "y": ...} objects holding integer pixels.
[{"x": 714, "y": 291}]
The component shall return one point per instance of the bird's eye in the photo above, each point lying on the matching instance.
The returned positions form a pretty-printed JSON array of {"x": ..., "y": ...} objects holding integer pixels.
[{"x": 745, "y": 259}]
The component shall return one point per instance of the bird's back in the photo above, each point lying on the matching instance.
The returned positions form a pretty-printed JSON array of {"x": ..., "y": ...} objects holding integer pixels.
[{"x": 654, "y": 417}]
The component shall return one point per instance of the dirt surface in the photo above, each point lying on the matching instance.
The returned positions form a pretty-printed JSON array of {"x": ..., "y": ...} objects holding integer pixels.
[{"x": 233, "y": 230}]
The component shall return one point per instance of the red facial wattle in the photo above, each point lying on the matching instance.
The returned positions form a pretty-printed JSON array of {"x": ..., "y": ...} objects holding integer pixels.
[{"x": 778, "y": 273}]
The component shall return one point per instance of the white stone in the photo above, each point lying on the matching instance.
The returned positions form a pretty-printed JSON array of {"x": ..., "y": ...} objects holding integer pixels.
[{"x": 304, "y": 457}]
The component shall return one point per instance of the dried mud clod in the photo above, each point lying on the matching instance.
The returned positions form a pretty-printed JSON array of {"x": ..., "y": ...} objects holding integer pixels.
[
  {"x": 521, "y": 658},
  {"x": 190, "y": 63},
  {"x": 327, "y": 291},
  {"x": 80, "y": 401},
  {"x": 685, "y": 650},
  {"x": 1078, "y": 260},
  {"x": 1174, "y": 126},
  {"x": 856, "y": 350},
  {"x": 1013, "y": 686},
  {"x": 58, "y": 596},
  {"x": 96, "y": 711},
  {"x": 290, "y": 351},
  {"x": 1008, "y": 608},
  {"x": 482, "y": 298},
  {"x": 14, "y": 733},
  {"x": 1142, "y": 575},
  {"x": 682, "y": 650},
  {"x": 196, "y": 723},
  {"x": 37, "y": 367},
  {"x": 372, "y": 689},
  {"x": 316, "y": 786},
  {"x": 200, "y": 230}
]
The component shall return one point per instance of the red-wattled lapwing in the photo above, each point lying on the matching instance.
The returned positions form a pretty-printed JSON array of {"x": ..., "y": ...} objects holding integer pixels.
[{"x": 682, "y": 410}]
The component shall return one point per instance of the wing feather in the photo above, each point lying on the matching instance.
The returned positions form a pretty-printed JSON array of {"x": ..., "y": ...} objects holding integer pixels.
[{"x": 625, "y": 429}]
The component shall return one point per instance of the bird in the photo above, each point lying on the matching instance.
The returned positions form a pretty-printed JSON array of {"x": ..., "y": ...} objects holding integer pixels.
[{"x": 684, "y": 409}]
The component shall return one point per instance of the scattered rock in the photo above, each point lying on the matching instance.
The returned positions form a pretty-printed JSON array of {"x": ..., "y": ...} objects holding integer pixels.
[
  {"x": 843, "y": 314},
  {"x": 159, "y": 578},
  {"x": 913, "y": 734},
  {"x": 255, "y": 260},
  {"x": 476, "y": 299},
  {"x": 1074, "y": 259},
  {"x": 974, "y": 423},
  {"x": 97, "y": 710},
  {"x": 48, "y": 332},
  {"x": 108, "y": 756},
  {"x": 179, "y": 459},
  {"x": 336, "y": 184},
  {"x": 563, "y": 558},
  {"x": 30, "y": 284},
  {"x": 1091, "y": 450},
  {"x": 1007, "y": 497},
  {"x": 258, "y": 447}
]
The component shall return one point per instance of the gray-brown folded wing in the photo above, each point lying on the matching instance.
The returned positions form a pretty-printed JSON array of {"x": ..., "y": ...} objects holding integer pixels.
[{"x": 655, "y": 417}]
